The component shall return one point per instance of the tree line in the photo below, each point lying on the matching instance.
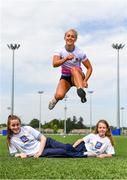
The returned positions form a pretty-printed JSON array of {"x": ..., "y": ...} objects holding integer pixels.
[{"x": 55, "y": 124}]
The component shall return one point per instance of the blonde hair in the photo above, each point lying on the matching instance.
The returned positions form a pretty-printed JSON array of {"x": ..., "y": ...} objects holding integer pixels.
[
  {"x": 74, "y": 31},
  {"x": 108, "y": 133},
  {"x": 9, "y": 131}
]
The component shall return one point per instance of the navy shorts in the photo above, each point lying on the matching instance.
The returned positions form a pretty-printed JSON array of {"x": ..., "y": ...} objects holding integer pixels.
[{"x": 67, "y": 78}]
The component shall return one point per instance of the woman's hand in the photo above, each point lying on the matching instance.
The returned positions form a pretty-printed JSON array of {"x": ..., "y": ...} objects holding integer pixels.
[
  {"x": 58, "y": 61},
  {"x": 70, "y": 56},
  {"x": 85, "y": 84}
]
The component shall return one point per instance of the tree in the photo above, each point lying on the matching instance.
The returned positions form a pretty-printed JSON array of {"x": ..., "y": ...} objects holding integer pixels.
[
  {"x": 34, "y": 123},
  {"x": 73, "y": 123},
  {"x": 74, "y": 119},
  {"x": 80, "y": 124},
  {"x": 69, "y": 125},
  {"x": 55, "y": 128},
  {"x": 3, "y": 125}
]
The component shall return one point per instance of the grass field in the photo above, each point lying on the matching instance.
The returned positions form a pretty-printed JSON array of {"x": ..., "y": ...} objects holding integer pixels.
[{"x": 65, "y": 168}]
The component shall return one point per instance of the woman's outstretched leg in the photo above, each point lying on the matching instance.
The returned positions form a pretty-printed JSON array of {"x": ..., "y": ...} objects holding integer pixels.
[{"x": 61, "y": 91}]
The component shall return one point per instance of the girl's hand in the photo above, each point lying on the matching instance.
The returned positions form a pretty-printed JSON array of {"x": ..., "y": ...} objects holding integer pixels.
[
  {"x": 21, "y": 155},
  {"x": 101, "y": 156},
  {"x": 38, "y": 154},
  {"x": 104, "y": 155},
  {"x": 17, "y": 155}
]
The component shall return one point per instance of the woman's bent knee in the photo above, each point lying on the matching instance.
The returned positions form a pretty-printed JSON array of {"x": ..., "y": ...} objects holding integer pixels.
[{"x": 75, "y": 70}]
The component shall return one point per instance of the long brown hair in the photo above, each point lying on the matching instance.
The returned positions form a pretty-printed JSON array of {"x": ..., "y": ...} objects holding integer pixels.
[
  {"x": 9, "y": 132},
  {"x": 108, "y": 133}
]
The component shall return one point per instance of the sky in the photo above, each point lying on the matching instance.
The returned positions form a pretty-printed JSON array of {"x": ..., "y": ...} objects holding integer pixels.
[{"x": 39, "y": 27}]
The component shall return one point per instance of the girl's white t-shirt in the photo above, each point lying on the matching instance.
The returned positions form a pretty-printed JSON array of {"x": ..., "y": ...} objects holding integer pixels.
[
  {"x": 97, "y": 145},
  {"x": 26, "y": 141}
]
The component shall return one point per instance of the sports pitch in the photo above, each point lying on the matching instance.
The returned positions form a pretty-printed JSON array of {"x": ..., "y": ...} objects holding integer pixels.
[{"x": 65, "y": 168}]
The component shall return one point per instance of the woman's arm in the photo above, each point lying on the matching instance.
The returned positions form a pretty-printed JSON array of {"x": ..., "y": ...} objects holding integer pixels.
[
  {"x": 77, "y": 142},
  {"x": 42, "y": 146},
  {"x": 89, "y": 68},
  {"x": 57, "y": 61}
]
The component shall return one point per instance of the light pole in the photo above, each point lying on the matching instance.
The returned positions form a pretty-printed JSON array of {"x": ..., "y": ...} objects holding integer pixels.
[
  {"x": 65, "y": 114},
  {"x": 13, "y": 47},
  {"x": 90, "y": 92},
  {"x": 40, "y": 93},
  {"x": 118, "y": 47},
  {"x": 122, "y": 117}
]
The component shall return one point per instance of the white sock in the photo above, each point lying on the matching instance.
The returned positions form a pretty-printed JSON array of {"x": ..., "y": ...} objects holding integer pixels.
[{"x": 54, "y": 99}]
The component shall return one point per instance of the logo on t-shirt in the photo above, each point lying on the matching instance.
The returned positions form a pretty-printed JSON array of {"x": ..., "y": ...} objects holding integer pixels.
[
  {"x": 98, "y": 145},
  {"x": 24, "y": 138}
]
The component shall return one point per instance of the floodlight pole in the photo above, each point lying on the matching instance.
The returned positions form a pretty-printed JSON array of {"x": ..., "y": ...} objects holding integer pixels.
[
  {"x": 40, "y": 93},
  {"x": 118, "y": 47},
  {"x": 65, "y": 114},
  {"x": 90, "y": 92},
  {"x": 122, "y": 118},
  {"x": 13, "y": 47}
]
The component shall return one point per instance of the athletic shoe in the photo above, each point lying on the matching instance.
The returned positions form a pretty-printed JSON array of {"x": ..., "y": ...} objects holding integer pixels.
[
  {"x": 52, "y": 104},
  {"x": 82, "y": 94}
]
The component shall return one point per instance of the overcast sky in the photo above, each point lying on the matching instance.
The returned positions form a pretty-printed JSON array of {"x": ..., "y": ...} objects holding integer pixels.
[{"x": 39, "y": 26}]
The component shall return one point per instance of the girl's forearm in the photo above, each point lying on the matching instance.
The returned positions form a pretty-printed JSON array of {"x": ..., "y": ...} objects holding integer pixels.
[
  {"x": 77, "y": 142},
  {"x": 104, "y": 155},
  {"x": 42, "y": 143}
]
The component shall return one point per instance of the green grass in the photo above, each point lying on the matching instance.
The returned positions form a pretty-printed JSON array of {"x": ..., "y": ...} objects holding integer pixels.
[{"x": 65, "y": 168}]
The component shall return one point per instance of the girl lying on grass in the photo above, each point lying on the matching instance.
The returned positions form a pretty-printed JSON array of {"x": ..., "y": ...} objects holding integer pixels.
[
  {"x": 26, "y": 142},
  {"x": 99, "y": 144}
]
